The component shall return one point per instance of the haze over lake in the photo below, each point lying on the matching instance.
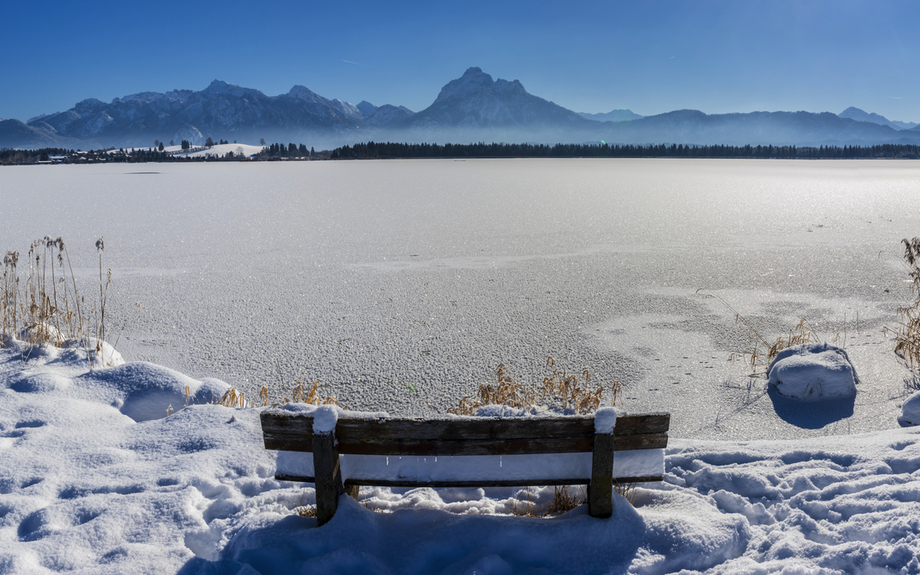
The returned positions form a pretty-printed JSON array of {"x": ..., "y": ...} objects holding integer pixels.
[{"x": 401, "y": 285}]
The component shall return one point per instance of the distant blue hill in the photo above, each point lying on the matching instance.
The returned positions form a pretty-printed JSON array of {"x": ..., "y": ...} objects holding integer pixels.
[
  {"x": 861, "y": 116},
  {"x": 612, "y": 116}
]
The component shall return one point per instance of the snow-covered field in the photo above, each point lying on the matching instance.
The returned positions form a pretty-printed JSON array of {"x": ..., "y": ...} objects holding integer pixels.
[
  {"x": 96, "y": 479},
  {"x": 400, "y": 286}
]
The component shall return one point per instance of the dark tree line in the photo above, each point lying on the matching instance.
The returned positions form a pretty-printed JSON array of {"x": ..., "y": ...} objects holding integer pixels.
[
  {"x": 370, "y": 150},
  {"x": 10, "y": 156},
  {"x": 290, "y": 151}
]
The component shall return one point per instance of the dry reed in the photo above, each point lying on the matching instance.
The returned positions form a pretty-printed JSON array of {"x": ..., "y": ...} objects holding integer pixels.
[
  {"x": 565, "y": 498},
  {"x": 907, "y": 338},
  {"x": 305, "y": 510},
  {"x": 237, "y": 399},
  {"x": 563, "y": 501},
  {"x": 47, "y": 308},
  {"x": 559, "y": 389},
  {"x": 312, "y": 397}
]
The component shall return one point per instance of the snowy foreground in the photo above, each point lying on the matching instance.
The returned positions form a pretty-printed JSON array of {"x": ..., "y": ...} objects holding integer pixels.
[{"x": 96, "y": 479}]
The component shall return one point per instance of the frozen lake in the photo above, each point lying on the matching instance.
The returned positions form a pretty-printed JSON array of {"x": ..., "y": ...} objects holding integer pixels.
[{"x": 401, "y": 285}]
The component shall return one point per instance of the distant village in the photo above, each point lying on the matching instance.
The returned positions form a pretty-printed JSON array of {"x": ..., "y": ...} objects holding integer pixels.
[{"x": 222, "y": 151}]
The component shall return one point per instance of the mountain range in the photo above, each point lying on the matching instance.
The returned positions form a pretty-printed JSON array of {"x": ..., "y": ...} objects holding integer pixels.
[{"x": 471, "y": 108}]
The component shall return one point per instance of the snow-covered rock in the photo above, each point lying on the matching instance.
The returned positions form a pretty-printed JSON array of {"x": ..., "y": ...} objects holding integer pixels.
[
  {"x": 910, "y": 411},
  {"x": 812, "y": 372}
]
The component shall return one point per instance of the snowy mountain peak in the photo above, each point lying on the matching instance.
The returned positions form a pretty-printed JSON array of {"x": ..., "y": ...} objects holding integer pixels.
[
  {"x": 145, "y": 97},
  {"x": 474, "y": 101},
  {"x": 367, "y": 108},
  {"x": 89, "y": 105},
  {"x": 346, "y": 108},
  {"x": 474, "y": 81},
  {"x": 303, "y": 93},
  {"x": 219, "y": 87}
]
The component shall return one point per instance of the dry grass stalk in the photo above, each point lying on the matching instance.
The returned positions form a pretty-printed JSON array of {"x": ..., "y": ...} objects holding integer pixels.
[
  {"x": 523, "y": 505},
  {"x": 263, "y": 394},
  {"x": 10, "y": 295},
  {"x": 559, "y": 389},
  {"x": 103, "y": 297},
  {"x": 568, "y": 391},
  {"x": 367, "y": 504},
  {"x": 233, "y": 398},
  {"x": 300, "y": 395},
  {"x": 802, "y": 333},
  {"x": 563, "y": 501},
  {"x": 626, "y": 490},
  {"x": 907, "y": 338},
  {"x": 306, "y": 510}
]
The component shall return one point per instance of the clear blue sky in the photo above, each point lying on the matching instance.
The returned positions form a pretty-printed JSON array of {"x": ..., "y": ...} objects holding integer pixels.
[{"x": 590, "y": 56}]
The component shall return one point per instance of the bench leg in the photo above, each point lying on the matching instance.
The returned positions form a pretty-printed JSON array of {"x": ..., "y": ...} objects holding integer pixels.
[
  {"x": 328, "y": 476},
  {"x": 352, "y": 491},
  {"x": 600, "y": 490}
]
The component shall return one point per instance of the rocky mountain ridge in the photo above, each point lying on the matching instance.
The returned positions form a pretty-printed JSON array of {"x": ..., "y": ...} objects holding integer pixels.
[{"x": 473, "y": 107}]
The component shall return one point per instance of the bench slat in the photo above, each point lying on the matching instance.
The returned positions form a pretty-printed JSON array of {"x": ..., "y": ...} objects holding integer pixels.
[
  {"x": 465, "y": 436},
  {"x": 470, "y": 447},
  {"x": 499, "y": 483}
]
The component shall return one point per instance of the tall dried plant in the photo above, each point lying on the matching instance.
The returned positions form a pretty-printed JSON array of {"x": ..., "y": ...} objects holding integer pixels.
[
  {"x": 47, "y": 307},
  {"x": 907, "y": 338}
]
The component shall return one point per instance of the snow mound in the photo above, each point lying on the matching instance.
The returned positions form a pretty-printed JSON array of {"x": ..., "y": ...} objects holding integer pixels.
[
  {"x": 57, "y": 348},
  {"x": 910, "y": 412},
  {"x": 812, "y": 372},
  {"x": 144, "y": 391}
]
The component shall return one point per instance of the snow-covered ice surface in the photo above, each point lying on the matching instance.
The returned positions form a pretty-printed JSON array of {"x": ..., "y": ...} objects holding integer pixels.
[
  {"x": 86, "y": 488},
  {"x": 400, "y": 286}
]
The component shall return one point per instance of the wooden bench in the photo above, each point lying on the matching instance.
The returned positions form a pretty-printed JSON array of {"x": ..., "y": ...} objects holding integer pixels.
[{"x": 448, "y": 452}]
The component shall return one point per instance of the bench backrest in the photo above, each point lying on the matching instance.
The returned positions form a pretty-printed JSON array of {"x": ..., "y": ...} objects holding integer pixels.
[{"x": 465, "y": 436}]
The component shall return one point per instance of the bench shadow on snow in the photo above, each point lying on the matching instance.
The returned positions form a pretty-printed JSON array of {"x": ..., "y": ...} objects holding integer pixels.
[
  {"x": 417, "y": 541},
  {"x": 810, "y": 414}
]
